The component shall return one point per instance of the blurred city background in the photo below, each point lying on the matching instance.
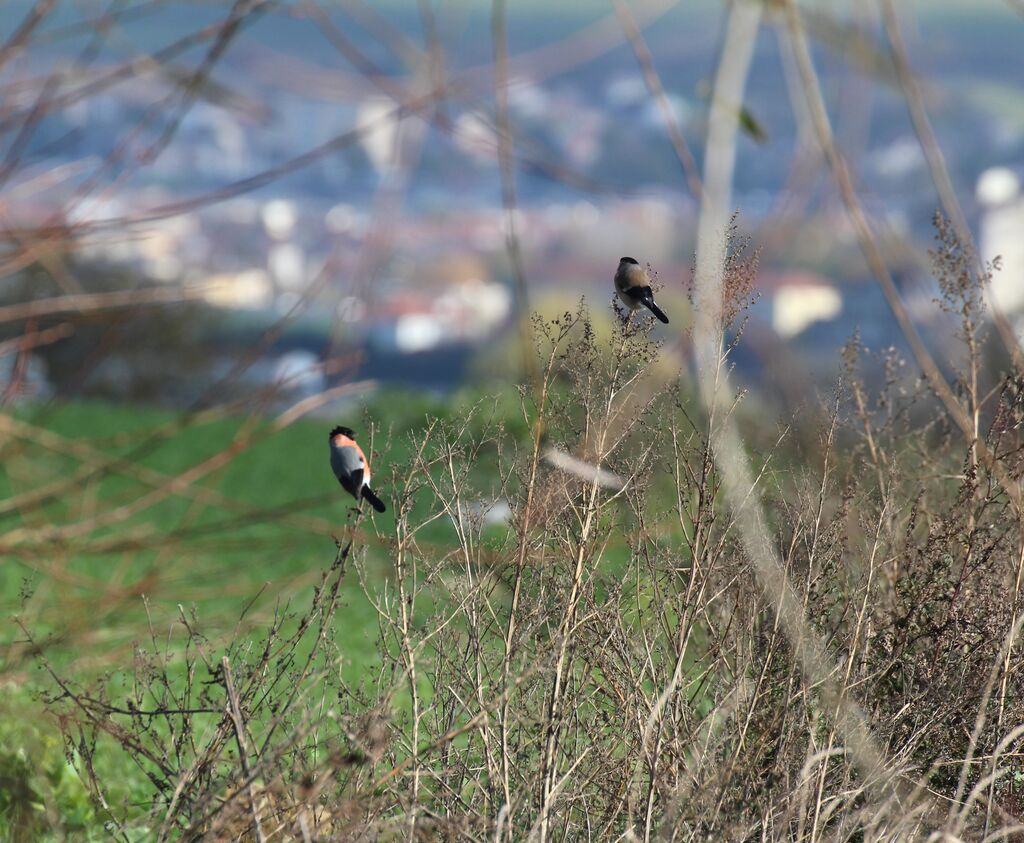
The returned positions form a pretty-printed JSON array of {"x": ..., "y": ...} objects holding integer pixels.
[
  {"x": 228, "y": 225},
  {"x": 320, "y": 185}
]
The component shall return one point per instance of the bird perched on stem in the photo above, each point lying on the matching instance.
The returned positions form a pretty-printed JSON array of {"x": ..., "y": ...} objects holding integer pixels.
[
  {"x": 351, "y": 467},
  {"x": 634, "y": 287}
]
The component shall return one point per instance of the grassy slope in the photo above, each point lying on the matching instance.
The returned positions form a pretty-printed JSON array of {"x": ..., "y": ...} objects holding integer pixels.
[
  {"x": 94, "y": 600},
  {"x": 207, "y": 558},
  {"x": 271, "y": 545},
  {"x": 186, "y": 552},
  {"x": 276, "y": 532}
]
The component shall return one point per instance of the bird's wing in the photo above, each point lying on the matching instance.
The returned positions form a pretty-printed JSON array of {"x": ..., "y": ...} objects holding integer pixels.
[{"x": 638, "y": 293}]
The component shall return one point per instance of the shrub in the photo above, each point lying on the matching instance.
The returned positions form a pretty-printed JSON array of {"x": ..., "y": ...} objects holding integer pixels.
[{"x": 610, "y": 666}]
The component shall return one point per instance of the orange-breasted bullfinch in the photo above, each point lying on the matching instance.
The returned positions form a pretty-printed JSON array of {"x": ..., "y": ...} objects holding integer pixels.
[
  {"x": 634, "y": 287},
  {"x": 351, "y": 467}
]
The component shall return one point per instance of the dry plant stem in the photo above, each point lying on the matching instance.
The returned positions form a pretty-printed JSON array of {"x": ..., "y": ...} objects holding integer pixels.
[
  {"x": 34, "y": 339},
  {"x": 858, "y": 633},
  {"x": 127, "y": 157},
  {"x": 1004, "y": 684},
  {"x": 235, "y": 712},
  {"x": 13, "y": 159},
  {"x": 939, "y": 172},
  {"x": 508, "y": 183},
  {"x": 523, "y": 529},
  {"x": 470, "y": 725},
  {"x": 878, "y": 460},
  {"x": 947, "y": 196},
  {"x": 17, "y": 39},
  {"x": 92, "y": 302},
  {"x": 657, "y": 90},
  {"x": 694, "y": 596},
  {"x": 405, "y": 570},
  {"x": 957, "y": 809},
  {"x": 214, "y": 805},
  {"x": 553, "y": 715},
  {"x": 242, "y": 11},
  {"x": 325, "y": 617},
  {"x": 278, "y": 651},
  {"x": 737, "y": 481},
  {"x": 873, "y": 256}
]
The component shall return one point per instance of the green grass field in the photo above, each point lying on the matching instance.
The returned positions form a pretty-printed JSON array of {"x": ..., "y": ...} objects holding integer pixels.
[
  {"x": 269, "y": 521},
  {"x": 266, "y": 518},
  {"x": 239, "y": 542}
]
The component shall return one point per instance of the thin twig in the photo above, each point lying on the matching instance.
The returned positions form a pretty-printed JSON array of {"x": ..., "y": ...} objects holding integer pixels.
[{"x": 235, "y": 711}]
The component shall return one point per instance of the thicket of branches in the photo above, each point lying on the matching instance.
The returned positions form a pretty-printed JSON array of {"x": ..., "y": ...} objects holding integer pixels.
[{"x": 611, "y": 667}]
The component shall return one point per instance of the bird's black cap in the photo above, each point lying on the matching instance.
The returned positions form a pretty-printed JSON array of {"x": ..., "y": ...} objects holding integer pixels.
[
  {"x": 344, "y": 431},
  {"x": 629, "y": 260}
]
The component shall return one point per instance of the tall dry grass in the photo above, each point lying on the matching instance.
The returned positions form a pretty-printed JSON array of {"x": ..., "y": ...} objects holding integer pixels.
[{"x": 610, "y": 666}]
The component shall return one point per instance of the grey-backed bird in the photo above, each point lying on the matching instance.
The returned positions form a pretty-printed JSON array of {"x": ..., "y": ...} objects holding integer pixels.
[
  {"x": 350, "y": 466},
  {"x": 634, "y": 287}
]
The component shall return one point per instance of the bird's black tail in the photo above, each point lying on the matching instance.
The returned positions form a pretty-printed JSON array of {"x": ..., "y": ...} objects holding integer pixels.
[
  {"x": 375, "y": 502},
  {"x": 657, "y": 311}
]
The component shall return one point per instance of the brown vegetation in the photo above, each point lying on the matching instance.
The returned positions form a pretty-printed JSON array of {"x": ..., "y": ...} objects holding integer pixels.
[{"x": 611, "y": 667}]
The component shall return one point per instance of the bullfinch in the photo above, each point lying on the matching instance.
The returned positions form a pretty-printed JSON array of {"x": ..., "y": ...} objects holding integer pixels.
[
  {"x": 634, "y": 287},
  {"x": 351, "y": 467}
]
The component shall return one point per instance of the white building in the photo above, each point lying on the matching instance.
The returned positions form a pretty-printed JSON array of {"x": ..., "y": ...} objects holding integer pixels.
[
  {"x": 798, "y": 300},
  {"x": 1002, "y": 234}
]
